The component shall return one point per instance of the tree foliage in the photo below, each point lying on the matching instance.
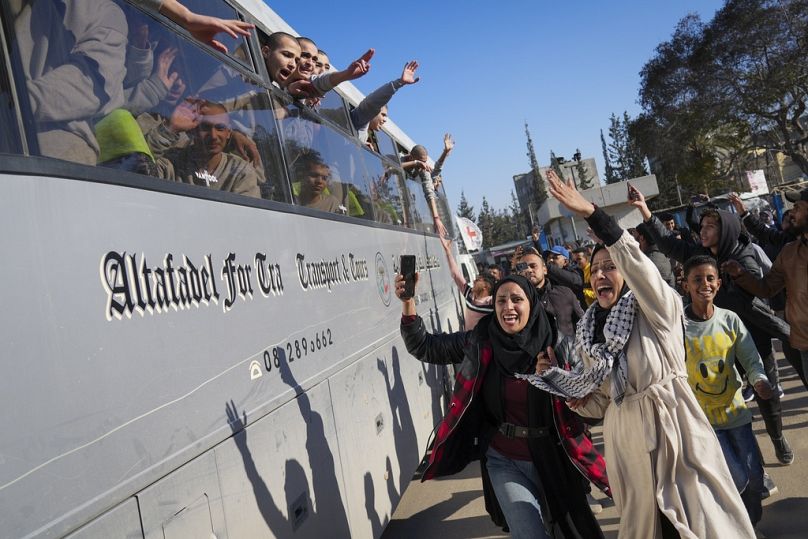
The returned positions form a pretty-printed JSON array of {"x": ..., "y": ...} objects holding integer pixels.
[
  {"x": 582, "y": 172},
  {"x": 718, "y": 90},
  {"x": 539, "y": 190},
  {"x": 464, "y": 209},
  {"x": 500, "y": 226},
  {"x": 623, "y": 155}
]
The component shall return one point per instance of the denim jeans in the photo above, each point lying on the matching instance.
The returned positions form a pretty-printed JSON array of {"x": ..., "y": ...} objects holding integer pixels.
[
  {"x": 742, "y": 454},
  {"x": 804, "y": 357},
  {"x": 518, "y": 488}
]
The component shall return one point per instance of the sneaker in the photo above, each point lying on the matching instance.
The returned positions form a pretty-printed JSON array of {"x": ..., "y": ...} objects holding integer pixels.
[
  {"x": 748, "y": 393},
  {"x": 769, "y": 488},
  {"x": 783, "y": 451},
  {"x": 594, "y": 505}
]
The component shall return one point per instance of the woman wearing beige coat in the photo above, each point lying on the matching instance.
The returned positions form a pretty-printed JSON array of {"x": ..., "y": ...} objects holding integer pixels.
[{"x": 664, "y": 462}]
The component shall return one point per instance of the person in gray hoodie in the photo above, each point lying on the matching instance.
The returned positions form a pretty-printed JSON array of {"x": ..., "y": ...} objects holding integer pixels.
[{"x": 72, "y": 56}]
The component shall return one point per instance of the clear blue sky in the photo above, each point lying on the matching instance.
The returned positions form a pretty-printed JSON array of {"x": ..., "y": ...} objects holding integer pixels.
[{"x": 487, "y": 67}]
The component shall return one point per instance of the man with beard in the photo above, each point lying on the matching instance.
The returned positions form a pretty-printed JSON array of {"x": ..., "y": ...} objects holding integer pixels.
[
  {"x": 557, "y": 300},
  {"x": 721, "y": 238},
  {"x": 788, "y": 272}
]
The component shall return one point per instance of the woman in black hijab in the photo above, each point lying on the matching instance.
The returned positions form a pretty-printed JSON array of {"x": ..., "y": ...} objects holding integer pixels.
[{"x": 512, "y": 424}]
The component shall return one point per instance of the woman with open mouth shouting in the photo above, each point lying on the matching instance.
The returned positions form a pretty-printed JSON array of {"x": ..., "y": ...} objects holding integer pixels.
[
  {"x": 533, "y": 448},
  {"x": 664, "y": 462}
]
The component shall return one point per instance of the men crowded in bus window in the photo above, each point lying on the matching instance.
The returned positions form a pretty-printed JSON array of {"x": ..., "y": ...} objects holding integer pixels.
[{"x": 203, "y": 161}]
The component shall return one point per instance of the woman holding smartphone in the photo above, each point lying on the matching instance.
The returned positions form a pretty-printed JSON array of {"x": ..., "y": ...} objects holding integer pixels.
[{"x": 534, "y": 449}]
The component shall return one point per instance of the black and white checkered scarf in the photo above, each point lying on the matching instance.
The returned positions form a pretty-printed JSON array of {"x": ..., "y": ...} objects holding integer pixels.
[{"x": 606, "y": 358}]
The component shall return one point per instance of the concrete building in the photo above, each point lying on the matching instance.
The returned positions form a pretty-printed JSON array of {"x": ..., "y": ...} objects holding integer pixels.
[
  {"x": 561, "y": 227},
  {"x": 525, "y": 185}
]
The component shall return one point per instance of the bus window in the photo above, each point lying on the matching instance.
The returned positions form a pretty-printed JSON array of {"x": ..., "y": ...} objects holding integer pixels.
[
  {"x": 444, "y": 211},
  {"x": 332, "y": 107},
  {"x": 9, "y": 135},
  {"x": 386, "y": 190},
  {"x": 236, "y": 46},
  {"x": 149, "y": 101},
  {"x": 420, "y": 212},
  {"x": 386, "y": 145},
  {"x": 326, "y": 168}
]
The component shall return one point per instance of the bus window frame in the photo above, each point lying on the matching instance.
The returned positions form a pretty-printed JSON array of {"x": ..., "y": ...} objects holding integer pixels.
[
  {"x": 349, "y": 129},
  {"x": 25, "y": 165},
  {"x": 7, "y": 69},
  {"x": 177, "y": 29}
]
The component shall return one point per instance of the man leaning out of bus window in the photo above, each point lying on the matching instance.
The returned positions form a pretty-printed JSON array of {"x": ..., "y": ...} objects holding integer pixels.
[
  {"x": 204, "y": 160},
  {"x": 306, "y": 84}
]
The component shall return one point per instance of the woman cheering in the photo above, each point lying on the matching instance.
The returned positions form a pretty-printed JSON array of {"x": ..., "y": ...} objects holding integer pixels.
[
  {"x": 665, "y": 464},
  {"x": 532, "y": 445}
]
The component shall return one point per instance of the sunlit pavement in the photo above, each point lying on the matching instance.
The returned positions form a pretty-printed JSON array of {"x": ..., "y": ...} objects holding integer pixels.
[{"x": 453, "y": 507}]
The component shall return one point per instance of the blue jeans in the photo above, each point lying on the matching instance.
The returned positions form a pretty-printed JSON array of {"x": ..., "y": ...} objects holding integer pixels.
[
  {"x": 518, "y": 488},
  {"x": 742, "y": 454},
  {"x": 804, "y": 357}
]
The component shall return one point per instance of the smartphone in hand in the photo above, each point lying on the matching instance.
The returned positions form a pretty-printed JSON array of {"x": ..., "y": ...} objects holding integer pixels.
[
  {"x": 633, "y": 194},
  {"x": 407, "y": 266}
]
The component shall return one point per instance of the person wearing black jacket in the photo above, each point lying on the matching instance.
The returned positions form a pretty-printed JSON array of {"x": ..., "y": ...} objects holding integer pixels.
[
  {"x": 721, "y": 238},
  {"x": 773, "y": 240},
  {"x": 533, "y": 446},
  {"x": 649, "y": 249},
  {"x": 558, "y": 301},
  {"x": 563, "y": 274}
]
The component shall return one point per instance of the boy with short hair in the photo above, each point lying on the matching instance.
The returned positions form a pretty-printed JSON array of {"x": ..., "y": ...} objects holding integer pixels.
[{"x": 714, "y": 339}]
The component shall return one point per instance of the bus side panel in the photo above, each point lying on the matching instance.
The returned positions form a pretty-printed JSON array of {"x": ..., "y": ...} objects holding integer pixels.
[
  {"x": 108, "y": 397},
  {"x": 281, "y": 476},
  {"x": 186, "y": 503},
  {"x": 122, "y": 521}
]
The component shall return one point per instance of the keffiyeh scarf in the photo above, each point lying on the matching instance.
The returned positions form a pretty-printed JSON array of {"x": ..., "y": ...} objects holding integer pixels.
[{"x": 607, "y": 358}]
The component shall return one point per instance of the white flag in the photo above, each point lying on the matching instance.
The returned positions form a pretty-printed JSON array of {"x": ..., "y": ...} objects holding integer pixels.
[{"x": 471, "y": 234}]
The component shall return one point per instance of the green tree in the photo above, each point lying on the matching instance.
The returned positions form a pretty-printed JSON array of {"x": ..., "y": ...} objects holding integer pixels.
[
  {"x": 464, "y": 209},
  {"x": 717, "y": 93},
  {"x": 582, "y": 172},
  {"x": 520, "y": 220},
  {"x": 539, "y": 189},
  {"x": 485, "y": 221},
  {"x": 555, "y": 164},
  {"x": 609, "y": 172}
]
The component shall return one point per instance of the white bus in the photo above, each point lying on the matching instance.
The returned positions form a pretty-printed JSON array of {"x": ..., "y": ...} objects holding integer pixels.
[{"x": 203, "y": 357}]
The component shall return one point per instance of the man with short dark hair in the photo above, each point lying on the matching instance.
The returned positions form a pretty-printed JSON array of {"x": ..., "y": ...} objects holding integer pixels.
[
  {"x": 323, "y": 64},
  {"x": 559, "y": 301},
  {"x": 281, "y": 53},
  {"x": 204, "y": 161},
  {"x": 560, "y": 272}
]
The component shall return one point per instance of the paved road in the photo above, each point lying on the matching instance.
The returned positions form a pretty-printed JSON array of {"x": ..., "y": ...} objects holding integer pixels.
[{"x": 453, "y": 508}]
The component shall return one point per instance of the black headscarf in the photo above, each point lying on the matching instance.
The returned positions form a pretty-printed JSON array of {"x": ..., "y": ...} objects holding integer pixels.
[{"x": 517, "y": 353}]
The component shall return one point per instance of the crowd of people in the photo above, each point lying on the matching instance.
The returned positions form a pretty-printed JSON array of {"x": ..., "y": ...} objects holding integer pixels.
[
  {"x": 109, "y": 85},
  {"x": 663, "y": 333}
]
